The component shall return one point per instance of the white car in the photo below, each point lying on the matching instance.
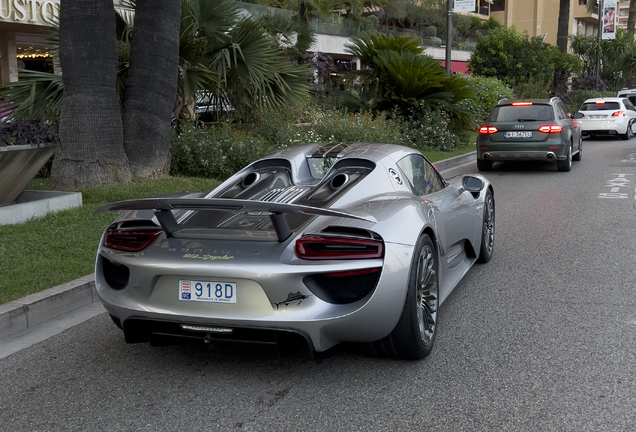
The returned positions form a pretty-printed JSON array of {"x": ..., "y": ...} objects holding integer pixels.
[
  {"x": 607, "y": 116},
  {"x": 627, "y": 93}
]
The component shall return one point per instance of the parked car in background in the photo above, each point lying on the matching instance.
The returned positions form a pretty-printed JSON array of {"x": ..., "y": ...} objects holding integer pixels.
[
  {"x": 332, "y": 242},
  {"x": 607, "y": 116},
  {"x": 532, "y": 129}
]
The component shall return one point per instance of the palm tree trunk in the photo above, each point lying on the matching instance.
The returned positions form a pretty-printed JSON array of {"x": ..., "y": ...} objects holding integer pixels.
[
  {"x": 631, "y": 23},
  {"x": 563, "y": 25},
  {"x": 91, "y": 151},
  {"x": 151, "y": 87},
  {"x": 631, "y": 19}
]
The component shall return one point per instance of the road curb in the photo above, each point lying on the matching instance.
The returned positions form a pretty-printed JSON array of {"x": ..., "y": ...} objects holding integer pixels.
[{"x": 36, "y": 309}]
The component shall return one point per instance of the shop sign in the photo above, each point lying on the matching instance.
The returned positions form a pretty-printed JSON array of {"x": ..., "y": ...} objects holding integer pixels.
[
  {"x": 34, "y": 12},
  {"x": 465, "y": 6}
]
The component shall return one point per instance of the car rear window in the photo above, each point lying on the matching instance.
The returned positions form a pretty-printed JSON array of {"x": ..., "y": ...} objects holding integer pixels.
[
  {"x": 515, "y": 113},
  {"x": 606, "y": 106}
]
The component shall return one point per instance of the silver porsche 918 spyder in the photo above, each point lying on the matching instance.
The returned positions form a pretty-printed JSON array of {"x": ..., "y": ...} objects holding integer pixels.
[{"x": 335, "y": 242}]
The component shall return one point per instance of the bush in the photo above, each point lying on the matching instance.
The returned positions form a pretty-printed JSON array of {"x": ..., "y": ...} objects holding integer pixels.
[
  {"x": 214, "y": 153},
  {"x": 590, "y": 82},
  {"x": 221, "y": 151},
  {"x": 430, "y": 130},
  {"x": 26, "y": 132},
  {"x": 488, "y": 92},
  {"x": 579, "y": 96}
]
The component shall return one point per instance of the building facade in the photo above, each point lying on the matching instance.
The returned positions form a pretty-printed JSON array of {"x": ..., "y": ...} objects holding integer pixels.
[
  {"x": 23, "y": 43},
  {"x": 541, "y": 17}
]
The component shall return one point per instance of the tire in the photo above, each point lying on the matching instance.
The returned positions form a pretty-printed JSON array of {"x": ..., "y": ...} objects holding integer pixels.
[
  {"x": 577, "y": 157},
  {"x": 484, "y": 165},
  {"x": 414, "y": 335},
  {"x": 566, "y": 165},
  {"x": 488, "y": 230},
  {"x": 628, "y": 133}
]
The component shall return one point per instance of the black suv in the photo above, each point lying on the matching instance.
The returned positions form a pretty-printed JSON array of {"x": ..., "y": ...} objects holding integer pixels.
[{"x": 529, "y": 129}]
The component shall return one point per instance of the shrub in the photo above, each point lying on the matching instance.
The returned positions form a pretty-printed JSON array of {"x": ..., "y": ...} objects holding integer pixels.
[
  {"x": 25, "y": 132},
  {"x": 579, "y": 96},
  {"x": 214, "y": 153},
  {"x": 428, "y": 130},
  {"x": 589, "y": 82},
  {"x": 488, "y": 92}
]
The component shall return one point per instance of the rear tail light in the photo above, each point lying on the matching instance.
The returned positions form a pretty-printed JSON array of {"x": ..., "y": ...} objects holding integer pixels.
[
  {"x": 618, "y": 114},
  {"x": 131, "y": 236},
  {"x": 319, "y": 247},
  {"x": 550, "y": 129},
  {"x": 487, "y": 130}
]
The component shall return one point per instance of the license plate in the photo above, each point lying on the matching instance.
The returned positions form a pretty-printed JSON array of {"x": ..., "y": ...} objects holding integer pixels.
[
  {"x": 517, "y": 134},
  {"x": 598, "y": 117},
  {"x": 207, "y": 291}
]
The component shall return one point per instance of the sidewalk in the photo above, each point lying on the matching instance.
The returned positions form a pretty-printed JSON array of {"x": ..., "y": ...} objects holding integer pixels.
[{"x": 39, "y": 316}]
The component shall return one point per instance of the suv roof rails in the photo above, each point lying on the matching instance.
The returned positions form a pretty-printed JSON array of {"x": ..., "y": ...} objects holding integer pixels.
[
  {"x": 502, "y": 101},
  {"x": 555, "y": 99}
]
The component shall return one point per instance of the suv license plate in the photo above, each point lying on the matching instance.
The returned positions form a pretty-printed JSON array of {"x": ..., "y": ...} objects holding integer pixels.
[
  {"x": 517, "y": 134},
  {"x": 207, "y": 291}
]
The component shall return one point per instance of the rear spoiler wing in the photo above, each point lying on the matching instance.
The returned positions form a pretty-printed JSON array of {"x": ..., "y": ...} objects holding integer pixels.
[{"x": 163, "y": 211}]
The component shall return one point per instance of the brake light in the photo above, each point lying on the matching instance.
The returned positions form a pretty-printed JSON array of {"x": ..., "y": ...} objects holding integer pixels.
[
  {"x": 131, "y": 236},
  {"x": 487, "y": 130},
  {"x": 326, "y": 247},
  {"x": 521, "y": 103},
  {"x": 599, "y": 102},
  {"x": 618, "y": 114},
  {"x": 550, "y": 129}
]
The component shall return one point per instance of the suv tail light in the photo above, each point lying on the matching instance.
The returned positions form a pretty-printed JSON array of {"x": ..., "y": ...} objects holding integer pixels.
[
  {"x": 318, "y": 247},
  {"x": 131, "y": 236},
  {"x": 550, "y": 129},
  {"x": 487, "y": 130},
  {"x": 618, "y": 114}
]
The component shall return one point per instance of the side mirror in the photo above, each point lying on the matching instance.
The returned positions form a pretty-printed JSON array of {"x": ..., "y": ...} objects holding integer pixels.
[
  {"x": 578, "y": 115},
  {"x": 472, "y": 184}
]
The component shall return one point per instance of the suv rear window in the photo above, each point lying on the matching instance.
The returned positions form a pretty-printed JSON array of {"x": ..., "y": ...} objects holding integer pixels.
[
  {"x": 593, "y": 106},
  {"x": 512, "y": 113}
]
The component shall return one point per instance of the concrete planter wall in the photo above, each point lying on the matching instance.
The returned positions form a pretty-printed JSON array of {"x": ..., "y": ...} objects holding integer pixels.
[{"x": 18, "y": 166}]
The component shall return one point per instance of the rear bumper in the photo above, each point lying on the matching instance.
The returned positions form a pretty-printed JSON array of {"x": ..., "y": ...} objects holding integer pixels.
[
  {"x": 603, "y": 127},
  {"x": 505, "y": 155}
]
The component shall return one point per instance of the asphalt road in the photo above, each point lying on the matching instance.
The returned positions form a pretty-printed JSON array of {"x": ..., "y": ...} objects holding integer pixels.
[{"x": 541, "y": 338}]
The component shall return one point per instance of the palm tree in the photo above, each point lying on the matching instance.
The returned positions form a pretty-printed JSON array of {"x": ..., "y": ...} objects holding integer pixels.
[
  {"x": 235, "y": 60},
  {"x": 91, "y": 151},
  {"x": 563, "y": 25},
  {"x": 631, "y": 19},
  {"x": 401, "y": 75},
  {"x": 151, "y": 86}
]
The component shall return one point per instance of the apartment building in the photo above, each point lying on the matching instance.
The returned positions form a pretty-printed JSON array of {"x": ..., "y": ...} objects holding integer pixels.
[{"x": 540, "y": 17}]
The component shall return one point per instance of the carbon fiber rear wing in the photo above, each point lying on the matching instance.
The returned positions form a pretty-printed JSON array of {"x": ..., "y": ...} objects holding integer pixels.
[{"x": 163, "y": 210}]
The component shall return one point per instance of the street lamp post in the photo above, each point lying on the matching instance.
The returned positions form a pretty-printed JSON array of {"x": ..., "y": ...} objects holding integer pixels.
[
  {"x": 599, "y": 4},
  {"x": 449, "y": 34}
]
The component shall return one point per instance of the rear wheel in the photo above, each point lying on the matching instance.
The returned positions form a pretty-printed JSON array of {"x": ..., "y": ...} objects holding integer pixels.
[
  {"x": 484, "y": 165},
  {"x": 488, "y": 230},
  {"x": 566, "y": 165},
  {"x": 628, "y": 133},
  {"x": 414, "y": 335},
  {"x": 579, "y": 155}
]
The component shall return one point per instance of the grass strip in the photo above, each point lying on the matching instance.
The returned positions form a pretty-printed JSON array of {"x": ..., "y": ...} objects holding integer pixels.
[{"x": 61, "y": 246}]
